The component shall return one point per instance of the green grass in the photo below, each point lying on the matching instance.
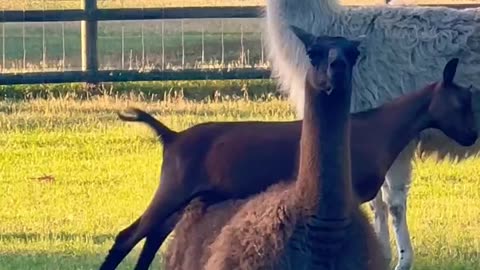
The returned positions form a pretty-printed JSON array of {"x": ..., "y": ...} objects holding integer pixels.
[
  {"x": 103, "y": 174},
  {"x": 193, "y": 90}
]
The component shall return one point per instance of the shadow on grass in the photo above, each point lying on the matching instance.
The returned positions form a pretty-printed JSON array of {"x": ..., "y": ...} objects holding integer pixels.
[
  {"x": 468, "y": 261},
  {"x": 69, "y": 251},
  {"x": 98, "y": 239},
  {"x": 91, "y": 253},
  {"x": 54, "y": 261}
]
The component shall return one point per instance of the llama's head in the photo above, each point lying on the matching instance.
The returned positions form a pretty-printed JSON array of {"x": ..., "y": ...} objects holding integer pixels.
[
  {"x": 451, "y": 107},
  {"x": 332, "y": 59}
]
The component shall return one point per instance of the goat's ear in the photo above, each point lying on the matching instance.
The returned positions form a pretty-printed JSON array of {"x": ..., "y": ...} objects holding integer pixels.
[
  {"x": 449, "y": 71},
  {"x": 306, "y": 38}
]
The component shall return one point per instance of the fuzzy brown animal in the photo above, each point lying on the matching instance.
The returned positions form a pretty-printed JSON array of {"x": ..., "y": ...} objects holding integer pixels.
[
  {"x": 224, "y": 160},
  {"x": 313, "y": 222}
]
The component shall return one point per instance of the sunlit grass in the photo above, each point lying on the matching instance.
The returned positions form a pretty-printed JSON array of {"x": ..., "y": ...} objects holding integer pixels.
[{"x": 72, "y": 175}]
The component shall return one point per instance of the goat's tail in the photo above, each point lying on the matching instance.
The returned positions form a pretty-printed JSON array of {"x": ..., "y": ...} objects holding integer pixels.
[{"x": 164, "y": 134}]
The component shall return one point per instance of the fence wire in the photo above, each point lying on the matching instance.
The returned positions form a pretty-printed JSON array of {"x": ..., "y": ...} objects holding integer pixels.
[{"x": 139, "y": 45}]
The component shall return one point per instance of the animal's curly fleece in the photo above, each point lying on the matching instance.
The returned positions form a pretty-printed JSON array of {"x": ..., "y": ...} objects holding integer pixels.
[
  {"x": 406, "y": 47},
  {"x": 226, "y": 217},
  {"x": 254, "y": 233}
]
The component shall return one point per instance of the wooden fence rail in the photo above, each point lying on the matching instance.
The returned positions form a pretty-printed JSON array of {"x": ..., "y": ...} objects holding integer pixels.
[{"x": 90, "y": 15}]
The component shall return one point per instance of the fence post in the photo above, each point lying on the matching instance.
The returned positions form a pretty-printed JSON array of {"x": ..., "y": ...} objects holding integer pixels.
[{"x": 89, "y": 33}]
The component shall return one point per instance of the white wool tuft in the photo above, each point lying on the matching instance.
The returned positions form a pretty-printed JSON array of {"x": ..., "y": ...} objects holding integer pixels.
[
  {"x": 406, "y": 47},
  {"x": 402, "y": 2}
]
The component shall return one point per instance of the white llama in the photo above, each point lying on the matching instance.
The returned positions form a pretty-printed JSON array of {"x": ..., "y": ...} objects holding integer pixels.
[{"x": 407, "y": 47}]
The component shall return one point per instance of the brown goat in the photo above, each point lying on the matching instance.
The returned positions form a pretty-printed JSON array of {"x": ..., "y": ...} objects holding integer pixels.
[
  {"x": 224, "y": 160},
  {"x": 313, "y": 222}
]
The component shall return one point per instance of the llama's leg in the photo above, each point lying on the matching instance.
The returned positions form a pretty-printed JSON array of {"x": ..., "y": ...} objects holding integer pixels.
[
  {"x": 380, "y": 211},
  {"x": 166, "y": 201},
  {"x": 396, "y": 191}
]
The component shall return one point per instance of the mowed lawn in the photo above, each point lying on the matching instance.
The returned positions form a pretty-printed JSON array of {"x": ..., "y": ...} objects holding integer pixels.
[{"x": 72, "y": 175}]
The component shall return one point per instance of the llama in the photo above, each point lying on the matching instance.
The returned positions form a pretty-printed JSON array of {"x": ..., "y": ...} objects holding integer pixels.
[
  {"x": 235, "y": 159},
  {"x": 405, "y": 48},
  {"x": 313, "y": 222}
]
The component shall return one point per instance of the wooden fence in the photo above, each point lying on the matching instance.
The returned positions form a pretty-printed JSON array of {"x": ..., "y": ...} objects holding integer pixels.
[{"x": 90, "y": 15}]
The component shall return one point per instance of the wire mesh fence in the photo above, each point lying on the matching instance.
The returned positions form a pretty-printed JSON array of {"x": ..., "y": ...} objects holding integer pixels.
[
  {"x": 131, "y": 45},
  {"x": 180, "y": 44},
  {"x": 135, "y": 45},
  {"x": 75, "y": 4}
]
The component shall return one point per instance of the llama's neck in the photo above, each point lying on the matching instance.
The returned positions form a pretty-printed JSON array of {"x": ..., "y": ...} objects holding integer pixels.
[
  {"x": 324, "y": 177},
  {"x": 404, "y": 119}
]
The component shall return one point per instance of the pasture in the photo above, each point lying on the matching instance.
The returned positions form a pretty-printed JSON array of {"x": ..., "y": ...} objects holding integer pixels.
[{"x": 73, "y": 175}]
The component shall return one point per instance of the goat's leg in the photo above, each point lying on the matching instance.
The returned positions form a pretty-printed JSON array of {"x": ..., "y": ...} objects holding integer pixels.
[
  {"x": 396, "y": 191},
  {"x": 380, "y": 211},
  {"x": 154, "y": 240},
  {"x": 116, "y": 256},
  {"x": 166, "y": 201}
]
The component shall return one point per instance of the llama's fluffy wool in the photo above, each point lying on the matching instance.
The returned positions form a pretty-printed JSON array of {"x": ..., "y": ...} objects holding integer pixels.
[
  {"x": 405, "y": 47},
  {"x": 254, "y": 232},
  {"x": 195, "y": 231},
  {"x": 402, "y": 2}
]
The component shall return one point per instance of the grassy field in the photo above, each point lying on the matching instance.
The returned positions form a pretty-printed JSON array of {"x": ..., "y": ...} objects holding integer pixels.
[{"x": 72, "y": 175}]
